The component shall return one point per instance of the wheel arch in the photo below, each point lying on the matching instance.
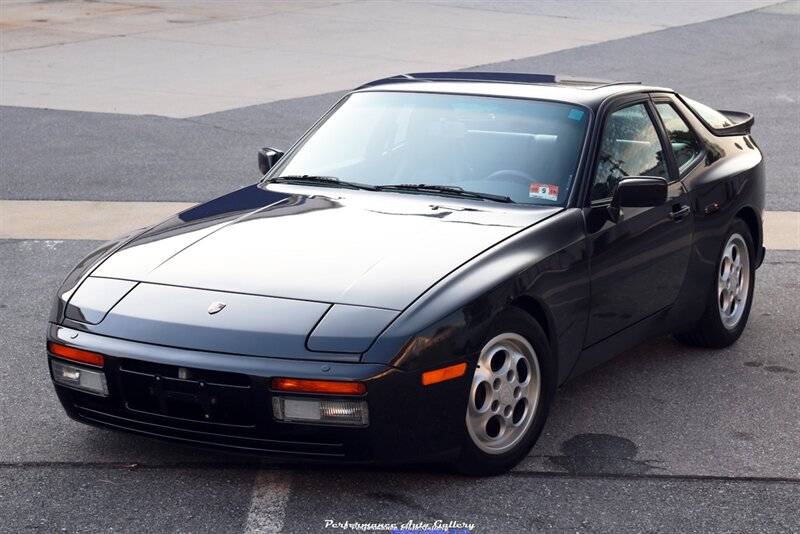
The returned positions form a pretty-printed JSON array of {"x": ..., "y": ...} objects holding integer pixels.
[
  {"x": 539, "y": 312},
  {"x": 751, "y": 219}
]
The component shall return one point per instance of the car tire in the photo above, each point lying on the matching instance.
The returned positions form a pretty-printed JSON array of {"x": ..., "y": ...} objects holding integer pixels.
[
  {"x": 509, "y": 397},
  {"x": 730, "y": 295}
]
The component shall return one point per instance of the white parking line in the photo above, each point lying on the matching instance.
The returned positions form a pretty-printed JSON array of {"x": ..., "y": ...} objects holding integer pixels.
[
  {"x": 268, "y": 502},
  {"x": 782, "y": 230},
  {"x": 78, "y": 219}
]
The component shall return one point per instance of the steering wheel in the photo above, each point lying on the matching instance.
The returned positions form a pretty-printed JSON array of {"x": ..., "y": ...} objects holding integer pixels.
[{"x": 515, "y": 176}]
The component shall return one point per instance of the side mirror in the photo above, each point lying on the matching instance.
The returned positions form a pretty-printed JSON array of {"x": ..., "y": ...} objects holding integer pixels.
[
  {"x": 638, "y": 192},
  {"x": 267, "y": 158}
]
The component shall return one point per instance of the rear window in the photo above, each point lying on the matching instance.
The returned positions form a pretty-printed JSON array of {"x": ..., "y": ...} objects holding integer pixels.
[{"x": 712, "y": 117}]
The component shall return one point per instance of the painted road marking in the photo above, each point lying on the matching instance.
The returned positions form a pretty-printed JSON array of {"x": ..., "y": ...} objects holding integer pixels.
[
  {"x": 782, "y": 230},
  {"x": 71, "y": 219},
  {"x": 54, "y": 219},
  {"x": 268, "y": 502}
]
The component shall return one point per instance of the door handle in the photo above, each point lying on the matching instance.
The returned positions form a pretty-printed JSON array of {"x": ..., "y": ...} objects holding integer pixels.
[{"x": 679, "y": 212}]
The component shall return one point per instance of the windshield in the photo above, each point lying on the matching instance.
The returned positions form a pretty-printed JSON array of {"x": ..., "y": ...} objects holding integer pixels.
[{"x": 526, "y": 150}]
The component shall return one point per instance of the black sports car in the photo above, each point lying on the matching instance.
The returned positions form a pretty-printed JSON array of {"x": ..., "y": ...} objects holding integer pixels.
[{"x": 415, "y": 277}]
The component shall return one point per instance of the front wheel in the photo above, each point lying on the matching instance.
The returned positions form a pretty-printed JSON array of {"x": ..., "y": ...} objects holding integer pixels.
[
  {"x": 730, "y": 293},
  {"x": 509, "y": 396}
]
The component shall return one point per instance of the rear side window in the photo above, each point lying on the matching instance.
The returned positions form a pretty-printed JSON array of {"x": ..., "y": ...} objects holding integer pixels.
[
  {"x": 712, "y": 117},
  {"x": 685, "y": 144},
  {"x": 629, "y": 147}
]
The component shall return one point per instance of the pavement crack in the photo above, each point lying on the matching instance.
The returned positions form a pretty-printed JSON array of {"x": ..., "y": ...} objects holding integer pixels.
[
  {"x": 218, "y": 127},
  {"x": 130, "y": 466},
  {"x": 653, "y": 476},
  {"x": 133, "y": 465}
]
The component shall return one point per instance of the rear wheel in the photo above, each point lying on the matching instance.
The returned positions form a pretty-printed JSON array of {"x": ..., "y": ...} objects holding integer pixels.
[
  {"x": 730, "y": 293},
  {"x": 509, "y": 396}
]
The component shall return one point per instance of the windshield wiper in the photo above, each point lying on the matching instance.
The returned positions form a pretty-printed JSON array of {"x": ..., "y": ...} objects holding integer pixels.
[
  {"x": 422, "y": 188},
  {"x": 445, "y": 190},
  {"x": 322, "y": 180}
]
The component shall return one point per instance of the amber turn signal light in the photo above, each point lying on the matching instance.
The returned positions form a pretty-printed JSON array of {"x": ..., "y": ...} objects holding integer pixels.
[
  {"x": 445, "y": 373},
  {"x": 76, "y": 355},
  {"x": 318, "y": 386}
]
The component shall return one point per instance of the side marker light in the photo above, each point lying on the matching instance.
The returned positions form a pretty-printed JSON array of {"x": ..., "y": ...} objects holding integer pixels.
[{"x": 445, "y": 373}]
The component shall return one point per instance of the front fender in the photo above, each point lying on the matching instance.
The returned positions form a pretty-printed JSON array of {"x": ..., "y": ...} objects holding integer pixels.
[{"x": 546, "y": 262}]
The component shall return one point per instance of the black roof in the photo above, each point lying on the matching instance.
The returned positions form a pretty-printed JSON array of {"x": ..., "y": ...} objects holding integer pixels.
[
  {"x": 502, "y": 77},
  {"x": 587, "y": 91}
]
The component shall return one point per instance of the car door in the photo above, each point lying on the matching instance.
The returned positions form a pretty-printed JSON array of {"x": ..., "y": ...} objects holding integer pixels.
[{"x": 639, "y": 261}]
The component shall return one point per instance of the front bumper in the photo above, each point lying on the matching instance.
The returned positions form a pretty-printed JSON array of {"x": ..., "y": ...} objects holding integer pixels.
[{"x": 408, "y": 422}]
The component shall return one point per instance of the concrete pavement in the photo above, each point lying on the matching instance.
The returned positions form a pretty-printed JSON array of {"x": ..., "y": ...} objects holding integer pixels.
[{"x": 181, "y": 60}]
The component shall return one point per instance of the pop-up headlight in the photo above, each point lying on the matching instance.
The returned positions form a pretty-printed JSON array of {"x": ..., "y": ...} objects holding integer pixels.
[{"x": 95, "y": 297}]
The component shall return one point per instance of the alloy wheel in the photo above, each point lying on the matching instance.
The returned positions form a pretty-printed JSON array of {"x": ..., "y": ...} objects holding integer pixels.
[
  {"x": 733, "y": 281},
  {"x": 504, "y": 394}
]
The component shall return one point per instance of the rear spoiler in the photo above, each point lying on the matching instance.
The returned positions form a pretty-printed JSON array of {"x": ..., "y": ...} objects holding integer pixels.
[{"x": 741, "y": 123}]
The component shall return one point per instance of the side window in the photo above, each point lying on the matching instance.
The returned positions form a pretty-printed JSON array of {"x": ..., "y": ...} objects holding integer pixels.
[
  {"x": 629, "y": 147},
  {"x": 684, "y": 143}
]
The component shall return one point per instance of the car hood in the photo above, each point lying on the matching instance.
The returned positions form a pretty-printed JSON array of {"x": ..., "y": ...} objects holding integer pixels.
[{"x": 319, "y": 244}]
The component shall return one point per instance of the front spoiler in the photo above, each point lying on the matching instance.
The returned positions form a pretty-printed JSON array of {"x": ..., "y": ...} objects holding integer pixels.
[{"x": 408, "y": 422}]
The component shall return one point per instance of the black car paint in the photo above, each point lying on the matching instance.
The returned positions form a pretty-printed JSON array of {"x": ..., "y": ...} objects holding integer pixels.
[
  {"x": 642, "y": 257},
  {"x": 323, "y": 244},
  {"x": 554, "y": 268},
  {"x": 166, "y": 308}
]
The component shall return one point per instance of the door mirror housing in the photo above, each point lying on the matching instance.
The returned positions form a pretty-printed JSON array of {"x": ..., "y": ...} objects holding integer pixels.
[
  {"x": 638, "y": 192},
  {"x": 267, "y": 158}
]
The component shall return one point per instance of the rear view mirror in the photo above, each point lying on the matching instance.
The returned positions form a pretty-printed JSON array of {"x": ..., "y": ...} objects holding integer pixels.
[
  {"x": 638, "y": 192},
  {"x": 267, "y": 158}
]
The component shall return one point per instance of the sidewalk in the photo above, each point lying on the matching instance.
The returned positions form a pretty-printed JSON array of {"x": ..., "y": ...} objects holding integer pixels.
[{"x": 183, "y": 59}]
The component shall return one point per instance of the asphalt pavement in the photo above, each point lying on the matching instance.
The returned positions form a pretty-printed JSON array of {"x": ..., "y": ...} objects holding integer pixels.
[
  {"x": 661, "y": 439},
  {"x": 748, "y": 62}
]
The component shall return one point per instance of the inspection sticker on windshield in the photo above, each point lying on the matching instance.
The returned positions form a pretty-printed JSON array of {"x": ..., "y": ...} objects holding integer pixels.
[
  {"x": 575, "y": 114},
  {"x": 545, "y": 191}
]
